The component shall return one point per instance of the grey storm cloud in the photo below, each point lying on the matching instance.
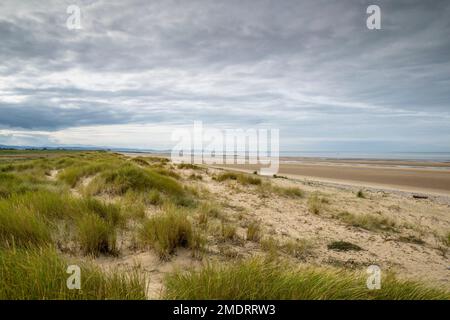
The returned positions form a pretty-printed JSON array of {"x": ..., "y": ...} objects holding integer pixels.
[{"x": 310, "y": 68}]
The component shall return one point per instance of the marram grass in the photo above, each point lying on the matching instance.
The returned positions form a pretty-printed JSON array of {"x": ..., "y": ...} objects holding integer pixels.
[
  {"x": 167, "y": 231},
  {"x": 262, "y": 279},
  {"x": 40, "y": 274}
]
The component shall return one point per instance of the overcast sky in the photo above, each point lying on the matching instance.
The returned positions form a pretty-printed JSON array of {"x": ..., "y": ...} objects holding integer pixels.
[{"x": 139, "y": 69}]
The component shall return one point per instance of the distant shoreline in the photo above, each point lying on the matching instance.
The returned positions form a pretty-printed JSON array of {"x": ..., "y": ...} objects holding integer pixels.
[{"x": 429, "y": 177}]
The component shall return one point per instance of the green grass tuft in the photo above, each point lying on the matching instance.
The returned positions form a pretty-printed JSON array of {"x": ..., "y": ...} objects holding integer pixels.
[
  {"x": 96, "y": 236},
  {"x": 167, "y": 231},
  {"x": 290, "y": 192},
  {"x": 38, "y": 274},
  {"x": 259, "y": 279},
  {"x": 22, "y": 227},
  {"x": 243, "y": 179},
  {"x": 11, "y": 184},
  {"x": 343, "y": 246},
  {"x": 119, "y": 181},
  {"x": 368, "y": 221},
  {"x": 188, "y": 166}
]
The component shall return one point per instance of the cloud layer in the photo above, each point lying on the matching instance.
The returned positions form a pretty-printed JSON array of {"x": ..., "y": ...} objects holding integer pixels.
[{"x": 138, "y": 69}]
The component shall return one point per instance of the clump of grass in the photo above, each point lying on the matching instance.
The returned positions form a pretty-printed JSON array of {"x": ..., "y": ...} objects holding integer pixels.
[
  {"x": 246, "y": 180},
  {"x": 211, "y": 209},
  {"x": 45, "y": 203},
  {"x": 229, "y": 251},
  {"x": 119, "y": 181},
  {"x": 361, "y": 194},
  {"x": 13, "y": 184},
  {"x": 188, "y": 166},
  {"x": 62, "y": 206},
  {"x": 299, "y": 248},
  {"x": 316, "y": 203},
  {"x": 207, "y": 210},
  {"x": 290, "y": 192},
  {"x": 447, "y": 239},
  {"x": 109, "y": 212},
  {"x": 203, "y": 218},
  {"x": 228, "y": 231},
  {"x": 140, "y": 161},
  {"x": 141, "y": 200},
  {"x": 197, "y": 244},
  {"x": 343, "y": 246},
  {"x": 22, "y": 227},
  {"x": 254, "y": 231},
  {"x": 96, "y": 236},
  {"x": 226, "y": 176},
  {"x": 72, "y": 175},
  {"x": 243, "y": 179},
  {"x": 155, "y": 198},
  {"x": 167, "y": 172},
  {"x": 165, "y": 232},
  {"x": 368, "y": 221},
  {"x": 270, "y": 245},
  {"x": 194, "y": 176},
  {"x": 258, "y": 279},
  {"x": 411, "y": 239},
  {"x": 40, "y": 274},
  {"x": 154, "y": 159}
]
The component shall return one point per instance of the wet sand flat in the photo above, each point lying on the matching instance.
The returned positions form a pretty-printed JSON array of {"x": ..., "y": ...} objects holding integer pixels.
[
  {"x": 402, "y": 175},
  {"x": 407, "y": 175}
]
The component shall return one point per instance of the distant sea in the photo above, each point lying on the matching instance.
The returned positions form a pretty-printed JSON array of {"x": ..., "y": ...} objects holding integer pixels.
[
  {"x": 410, "y": 156},
  {"x": 419, "y": 156}
]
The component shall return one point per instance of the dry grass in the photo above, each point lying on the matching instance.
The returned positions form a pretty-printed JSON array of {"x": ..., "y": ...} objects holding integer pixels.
[
  {"x": 254, "y": 231},
  {"x": 228, "y": 231},
  {"x": 316, "y": 203},
  {"x": 299, "y": 248},
  {"x": 368, "y": 221}
]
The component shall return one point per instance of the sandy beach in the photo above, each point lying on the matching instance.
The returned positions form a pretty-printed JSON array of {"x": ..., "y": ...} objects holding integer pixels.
[
  {"x": 414, "y": 176},
  {"x": 413, "y": 250}
]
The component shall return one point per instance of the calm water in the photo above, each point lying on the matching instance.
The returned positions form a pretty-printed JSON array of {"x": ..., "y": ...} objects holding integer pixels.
[
  {"x": 419, "y": 156},
  {"x": 427, "y": 156}
]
